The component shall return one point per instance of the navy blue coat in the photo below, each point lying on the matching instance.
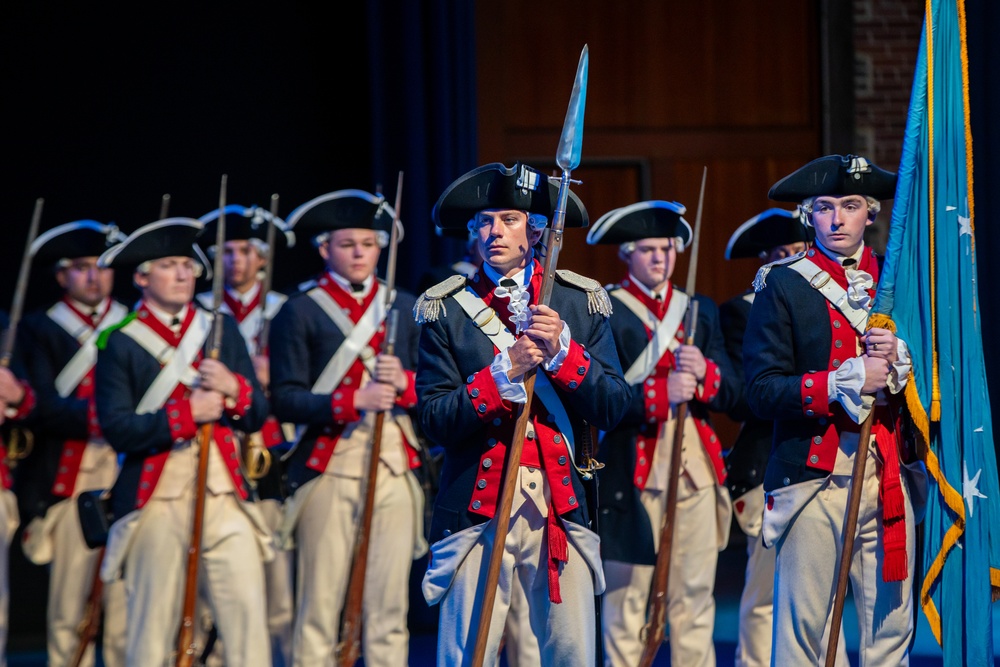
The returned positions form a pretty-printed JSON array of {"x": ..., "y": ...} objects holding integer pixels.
[
  {"x": 624, "y": 526},
  {"x": 747, "y": 460},
  {"x": 788, "y": 336},
  {"x": 452, "y": 349},
  {"x": 46, "y": 349},
  {"x": 303, "y": 340},
  {"x": 124, "y": 372}
]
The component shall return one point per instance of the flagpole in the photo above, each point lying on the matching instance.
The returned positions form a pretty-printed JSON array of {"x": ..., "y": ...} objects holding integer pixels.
[{"x": 850, "y": 527}]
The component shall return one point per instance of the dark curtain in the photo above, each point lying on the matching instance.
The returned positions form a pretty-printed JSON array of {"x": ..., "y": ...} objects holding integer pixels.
[
  {"x": 106, "y": 112},
  {"x": 423, "y": 102}
]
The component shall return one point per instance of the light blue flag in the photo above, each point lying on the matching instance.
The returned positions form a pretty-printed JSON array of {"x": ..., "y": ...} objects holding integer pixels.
[{"x": 929, "y": 291}]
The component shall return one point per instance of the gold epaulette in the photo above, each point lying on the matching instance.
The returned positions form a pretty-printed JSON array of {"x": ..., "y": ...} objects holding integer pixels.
[
  {"x": 758, "y": 281},
  {"x": 598, "y": 300},
  {"x": 430, "y": 305}
]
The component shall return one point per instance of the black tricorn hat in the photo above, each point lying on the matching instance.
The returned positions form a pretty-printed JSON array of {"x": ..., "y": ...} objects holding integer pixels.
[
  {"x": 243, "y": 222},
  {"x": 770, "y": 229},
  {"x": 81, "y": 238},
  {"x": 170, "y": 237},
  {"x": 343, "y": 209},
  {"x": 835, "y": 175},
  {"x": 653, "y": 219},
  {"x": 494, "y": 186}
]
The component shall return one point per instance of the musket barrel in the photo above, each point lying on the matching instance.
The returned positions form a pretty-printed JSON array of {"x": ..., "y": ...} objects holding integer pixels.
[
  {"x": 265, "y": 285},
  {"x": 693, "y": 262},
  {"x": 17, "y": 307}
]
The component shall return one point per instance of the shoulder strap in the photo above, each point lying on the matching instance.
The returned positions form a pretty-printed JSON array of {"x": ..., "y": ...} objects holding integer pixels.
[
  {"x": 664, "y": 337},
  {"x": 356, "y": 337},
  {"x": 488, "y": 322},
  {"x": 821, "y": 281},
  {"x": 80, "y": 364},
  {"x": 177, "y": 361}
]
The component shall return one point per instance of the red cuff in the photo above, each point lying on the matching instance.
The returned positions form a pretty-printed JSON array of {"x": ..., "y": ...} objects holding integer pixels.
[
  {"x": 182, "y": 426},
  {"x": 271, "y": 432},
  {"x": 485, "y": 397},
  {"x": 815, "y": 397},
  {"x": 238, "y": 408},
  {"x": 408, "y": 399},
  {"x": 27, "y": 403},
  {"x": 709, "y": 387},
  {"x": 574, "y": 368},
  {"x": 657, "y": 398},
  {"x": 342, "y": 406}
]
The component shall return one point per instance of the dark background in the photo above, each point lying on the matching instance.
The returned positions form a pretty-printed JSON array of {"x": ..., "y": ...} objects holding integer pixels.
[{"x": 107, "y": 111}]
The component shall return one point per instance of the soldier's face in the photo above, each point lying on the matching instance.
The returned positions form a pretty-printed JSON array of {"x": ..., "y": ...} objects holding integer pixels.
[
  {"x": 351, "y": 253},
  {"x": 169, "y": 285},
  {"x": 84, "y": 281},
  {"x": 652, "y": 262},
  {"x": 840, "y": 223},
  {"x": 504, "y": 239},
  {"x": 242, "y": 264},
  {"x": 783, "y": 251}
]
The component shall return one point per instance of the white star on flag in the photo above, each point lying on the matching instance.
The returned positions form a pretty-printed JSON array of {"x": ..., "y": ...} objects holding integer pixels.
[
  {"x": 969, "y": 490},
  {"x": 964, "y": 222}
]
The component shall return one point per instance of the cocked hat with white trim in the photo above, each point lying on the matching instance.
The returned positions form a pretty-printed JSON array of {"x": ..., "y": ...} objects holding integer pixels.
[
  {"x": 652, "y": 219},
  {"x": 765, "y": 231},
  {"x": 835, "y": 176},
  {"x": 170, "y": 237},
  {"x": 495, "y": 186},
  {"x": 342, "y": 209},
  {"x": 80, "y": 238},
  {"x": 243, "y": 223}
]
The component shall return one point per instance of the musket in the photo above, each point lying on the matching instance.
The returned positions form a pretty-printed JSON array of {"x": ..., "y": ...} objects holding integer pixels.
[
  {"x": 186, "y": 648},
  {"x": 256, "y": 456},
  {"x": 17, "y": 307},
  {"x": 653, "y": 632},
  {"x": 164, "y": 206},
  {"x": 20, "y": 441},
  {"x": 265, "y": 284},
  {"x": 567, "y": 158},
  {"x": 87, "y": 630},
  {"x": 348, "y": 649}
]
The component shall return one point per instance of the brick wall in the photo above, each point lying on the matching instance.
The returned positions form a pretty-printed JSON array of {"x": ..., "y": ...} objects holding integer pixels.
[{"x": 886, "y": 40}]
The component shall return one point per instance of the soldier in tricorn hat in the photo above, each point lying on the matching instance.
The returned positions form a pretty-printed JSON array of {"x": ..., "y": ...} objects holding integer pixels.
[
  {"x": 480, "y": 336},
  {"x": 246, "y": 256},
  {"x": 769, "y": 236},
  {"x": 156, "y": 387},
  {"x": 71, "y": 455},
  {"x": 662, "y": 371},
  {"x": 330, "y": 376},
  {"x": 814, "y": 368}
]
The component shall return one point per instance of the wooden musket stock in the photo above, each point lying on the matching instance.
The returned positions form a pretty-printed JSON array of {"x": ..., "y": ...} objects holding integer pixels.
[
  {"x": 186, "y": 647},
  {"x": 653, "y": 632},
  {"x": 348, "y": 648}
]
